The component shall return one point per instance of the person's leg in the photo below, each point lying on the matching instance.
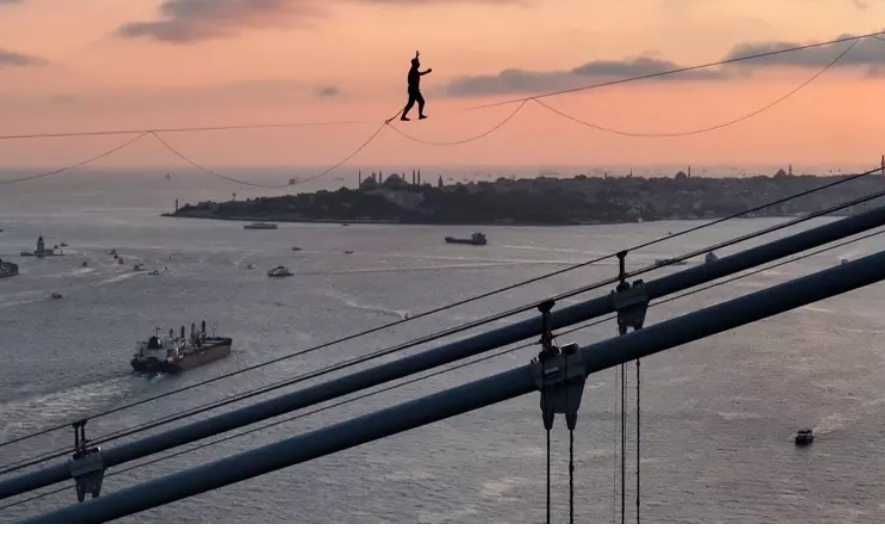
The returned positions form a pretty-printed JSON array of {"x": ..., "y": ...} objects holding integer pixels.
[
  {"x": 408, "y": 107},
  {"x": 420, "y": 99}
]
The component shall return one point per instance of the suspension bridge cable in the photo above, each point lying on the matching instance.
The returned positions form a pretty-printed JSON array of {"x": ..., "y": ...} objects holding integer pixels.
[
  {"x": 466, "y": 364},
  {"x": 620, "y": 81},
  {"x": 680, "y": 70},
  {"x": 704, "y": 130},
  {"x": 323, "y": 173},
  {"x": 77, "y": 165},
  {"x": 253, "y": 126},
  {"x": 457, "y": 329}
]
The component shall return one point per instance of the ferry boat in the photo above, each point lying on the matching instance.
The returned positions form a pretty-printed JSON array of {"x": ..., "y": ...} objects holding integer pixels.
[
  {"x": 172, "y": 355},
  {"x": 476, "y": 239},
  {"x": 260, "y": 225}
]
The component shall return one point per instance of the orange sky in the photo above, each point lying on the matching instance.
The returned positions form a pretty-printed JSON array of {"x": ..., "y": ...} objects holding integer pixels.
[{"x": 134, "y": 64}]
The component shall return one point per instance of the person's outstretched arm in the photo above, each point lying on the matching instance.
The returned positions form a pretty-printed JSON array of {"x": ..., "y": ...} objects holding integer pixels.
[{"x": 428, "y": 71}]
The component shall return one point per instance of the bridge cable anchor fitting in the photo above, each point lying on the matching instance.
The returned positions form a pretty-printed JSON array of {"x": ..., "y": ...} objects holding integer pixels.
[{"x": 86, "y": 464}]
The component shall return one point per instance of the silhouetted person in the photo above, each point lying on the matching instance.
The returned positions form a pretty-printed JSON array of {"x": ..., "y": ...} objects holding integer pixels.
[{"x": 415, "y": 89}]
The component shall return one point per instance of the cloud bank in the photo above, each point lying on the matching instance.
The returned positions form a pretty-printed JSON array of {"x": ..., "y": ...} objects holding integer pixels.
[
  {"x": 188, "y": 21},
  {"x": 870, "y": 54},
  {"x": 9, "y": 58}
]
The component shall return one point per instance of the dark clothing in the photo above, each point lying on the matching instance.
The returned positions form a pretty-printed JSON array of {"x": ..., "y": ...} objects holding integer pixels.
[
  {"x": 414, "y": 91},
  {"x": 414, "y": 79},
  {"x": 414, "y": 96}
]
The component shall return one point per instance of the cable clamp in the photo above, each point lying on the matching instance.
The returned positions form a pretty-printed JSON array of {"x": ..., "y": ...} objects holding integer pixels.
[
  {"x": 561, "y": 379},
  {"x": 86, "y": 465},
  {"x": 631, "y": 304}
]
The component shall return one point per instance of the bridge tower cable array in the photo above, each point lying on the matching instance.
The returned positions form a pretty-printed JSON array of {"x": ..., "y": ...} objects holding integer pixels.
[
  {"x": 578, "y": 328},
  {"x": 478, "y": 394}
]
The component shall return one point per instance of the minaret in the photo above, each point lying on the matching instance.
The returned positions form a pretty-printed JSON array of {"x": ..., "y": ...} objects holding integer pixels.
[
  {"x": 689, "y": 172},
  {"x": 359, "y": 178},
  {"x": 419, "y": 177}
]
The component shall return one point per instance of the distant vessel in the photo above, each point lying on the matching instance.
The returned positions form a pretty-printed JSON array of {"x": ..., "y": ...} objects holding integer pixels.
[
  {"x": 280, "y": 271},
  {"x": 476, "y": 239},
  {"x": 8, "y": 269},
  {"x": 804, "y": 437},
  {"x": 56, "y": 295},
  {"x": 669, "y": 262},
  {"x": 260, "y": 225},
  {"x": 173, "y": 354}
]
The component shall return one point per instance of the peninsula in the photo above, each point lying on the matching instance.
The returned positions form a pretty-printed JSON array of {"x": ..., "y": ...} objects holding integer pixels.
[{"x": 545, "y": 201}]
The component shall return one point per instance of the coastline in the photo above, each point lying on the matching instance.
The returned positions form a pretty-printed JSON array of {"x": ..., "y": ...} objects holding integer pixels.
[{"x": 275, "y": 219}]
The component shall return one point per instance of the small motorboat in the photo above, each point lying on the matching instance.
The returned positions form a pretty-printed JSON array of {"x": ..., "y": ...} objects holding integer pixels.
[
  {"x": 804, "y": 437},
  {"x": 280, "y": 271},
  {"x": 56, "y": 296}
]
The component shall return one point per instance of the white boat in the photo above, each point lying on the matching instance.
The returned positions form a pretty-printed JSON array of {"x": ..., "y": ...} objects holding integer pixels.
[
  {"x": 280, "y": 271},
  {"x": 260, "y": 225}
]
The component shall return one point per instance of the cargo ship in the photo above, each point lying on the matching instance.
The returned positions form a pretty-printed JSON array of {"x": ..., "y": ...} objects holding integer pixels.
[
  {"x": 260, "y": 225},
  {"x": 476, "y": 239},
  {"x": 172, "y": 355}
]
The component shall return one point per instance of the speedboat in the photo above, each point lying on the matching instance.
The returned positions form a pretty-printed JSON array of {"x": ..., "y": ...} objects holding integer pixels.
[{"x": 280, "y": 271}]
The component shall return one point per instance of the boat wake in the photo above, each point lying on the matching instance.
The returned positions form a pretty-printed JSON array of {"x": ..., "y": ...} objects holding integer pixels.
[
  {"x": 354, "y": 303},
  {"x": 28, "y": 414}
]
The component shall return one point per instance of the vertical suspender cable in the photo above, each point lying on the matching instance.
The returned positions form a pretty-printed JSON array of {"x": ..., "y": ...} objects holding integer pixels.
[
  {"x": 637, "y": 441},
  {"x": 615, "y": 451},
  {"x": 623, "y": 444}
]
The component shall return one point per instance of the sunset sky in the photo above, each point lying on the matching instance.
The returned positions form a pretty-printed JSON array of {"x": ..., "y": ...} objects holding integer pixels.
[{"x": 72, "y": 65}]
